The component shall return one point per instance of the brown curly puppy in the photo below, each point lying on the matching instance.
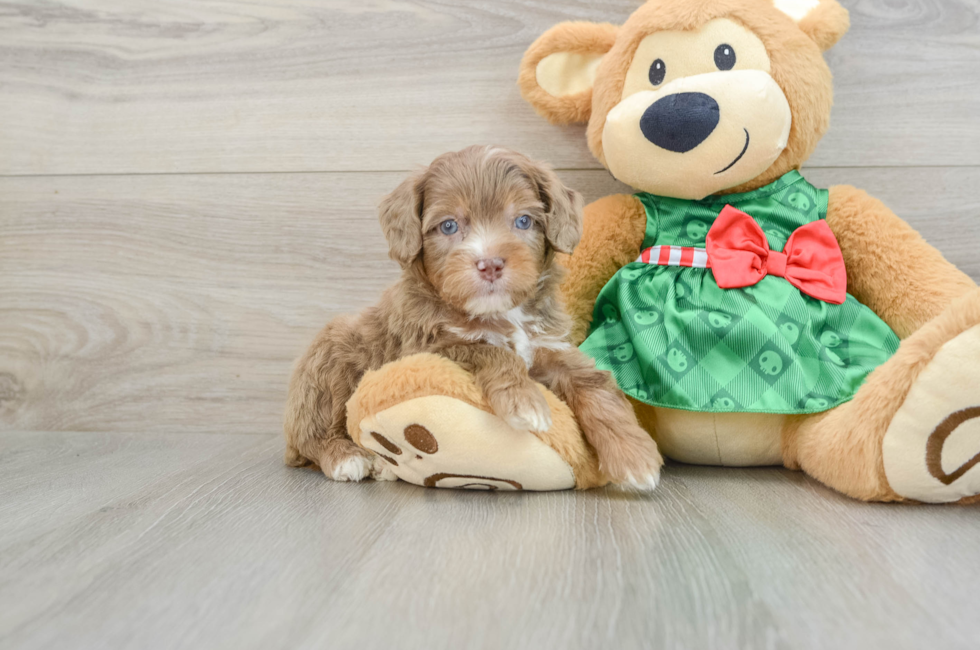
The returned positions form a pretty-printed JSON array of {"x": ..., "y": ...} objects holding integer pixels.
[{"x": 476, "y": 234}]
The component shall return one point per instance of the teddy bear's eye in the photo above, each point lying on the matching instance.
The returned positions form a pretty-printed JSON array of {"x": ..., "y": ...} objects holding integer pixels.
[
  {"x": 725, "y": 57},
  {"x": 658, "y": 70}
]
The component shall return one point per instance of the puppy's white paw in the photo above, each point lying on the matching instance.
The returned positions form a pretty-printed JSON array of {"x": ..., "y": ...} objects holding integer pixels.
[
  {"x": 633, "y": 462},
  {"x": 530, "y": 420},
  {"x": 643, "y": 483},
  {"x": 352, "y": 468},
  {"x": 525, "y": 410},
  {"x": 529, "y": 415}
]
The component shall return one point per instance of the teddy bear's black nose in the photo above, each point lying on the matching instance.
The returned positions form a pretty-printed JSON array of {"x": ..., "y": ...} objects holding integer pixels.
[{"x": 680, "y": 122}]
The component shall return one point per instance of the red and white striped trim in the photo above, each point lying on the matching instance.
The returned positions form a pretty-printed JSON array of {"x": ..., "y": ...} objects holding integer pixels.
[{"x": 675, "y": 256}]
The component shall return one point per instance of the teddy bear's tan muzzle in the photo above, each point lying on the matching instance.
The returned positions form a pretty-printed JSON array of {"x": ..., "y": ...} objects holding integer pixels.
[{"x": 698, "y": 135}]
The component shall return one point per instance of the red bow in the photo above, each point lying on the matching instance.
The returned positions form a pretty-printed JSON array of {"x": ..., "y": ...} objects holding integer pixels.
[{"x": 811, "y": 260}]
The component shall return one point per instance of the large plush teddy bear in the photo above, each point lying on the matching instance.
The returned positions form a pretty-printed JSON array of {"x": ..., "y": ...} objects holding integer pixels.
[{"x": 753, "y": 318}]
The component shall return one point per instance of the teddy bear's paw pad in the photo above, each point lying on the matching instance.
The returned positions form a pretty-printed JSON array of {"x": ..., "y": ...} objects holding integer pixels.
[
  {"x": 438, "y": 441},
  {"x": 931, "y": 449}
]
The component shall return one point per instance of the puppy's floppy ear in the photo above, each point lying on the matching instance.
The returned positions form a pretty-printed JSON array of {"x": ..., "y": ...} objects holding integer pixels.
[
  {"x": 400, "y": 214},
  {"x": 562, "y": 205}
]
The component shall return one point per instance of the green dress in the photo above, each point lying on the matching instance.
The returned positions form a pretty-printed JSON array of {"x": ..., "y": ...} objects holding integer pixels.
[{"x": 673, "y": 338}]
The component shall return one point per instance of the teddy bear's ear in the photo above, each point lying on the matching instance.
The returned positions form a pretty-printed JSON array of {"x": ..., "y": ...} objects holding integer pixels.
[
  {"x": 825, "y": 21},
  {"x": 558, "y": 69}
]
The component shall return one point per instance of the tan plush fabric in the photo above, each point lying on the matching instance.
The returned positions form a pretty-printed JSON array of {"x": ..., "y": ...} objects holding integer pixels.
[
  {"x": 826, "y": 24},
  {"x": 567, "y": 73},
  {"x": 890, "y": 267},
  {"x": 574, "y": 38},
  {"x": 434, "y": 393},
  {"x": 941, "y": 415},
  {"x": 438, "y": 441},
  {"x": 630, "y": 156},
  {"x": 797, "y": 66},
  {"x": 843, "y": 447},
  {"x": 611, "y": 237},
  {"x": 728, "y": 439}
]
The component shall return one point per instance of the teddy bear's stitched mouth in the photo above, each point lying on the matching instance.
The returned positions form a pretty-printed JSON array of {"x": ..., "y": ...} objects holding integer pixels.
[{"x": 744, "y": 149}]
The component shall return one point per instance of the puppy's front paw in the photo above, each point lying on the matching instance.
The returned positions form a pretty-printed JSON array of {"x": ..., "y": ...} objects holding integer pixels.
[
  {"x": 632, "y": 461},
  {"x": 354, "y": 468},
  {"x": 342, "y": 460},
  {"x": 522, "y": 408}
]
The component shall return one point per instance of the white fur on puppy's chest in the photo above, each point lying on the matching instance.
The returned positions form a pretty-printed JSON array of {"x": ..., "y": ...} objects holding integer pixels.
[
  {"x": 526, "y": 336},
  {"x": 520, "y": 339}
]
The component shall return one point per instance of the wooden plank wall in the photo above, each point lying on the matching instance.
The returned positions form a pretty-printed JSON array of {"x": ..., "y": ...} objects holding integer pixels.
[{"x": 187, "y": 189}]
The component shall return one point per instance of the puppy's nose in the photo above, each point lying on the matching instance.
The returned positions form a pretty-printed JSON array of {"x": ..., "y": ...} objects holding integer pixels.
[
  {"x": 491, "y": 269},
  {"x": 681, "y": 121}
]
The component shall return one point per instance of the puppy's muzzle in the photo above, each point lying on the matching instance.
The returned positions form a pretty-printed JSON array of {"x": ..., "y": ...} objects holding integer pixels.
[{"x": 680, "y": 122}]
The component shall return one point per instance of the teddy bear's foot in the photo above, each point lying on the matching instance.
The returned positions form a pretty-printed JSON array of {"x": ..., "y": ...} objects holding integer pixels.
[
  {"x": 931, "y": 449},
  {"x": 429, "y": 424},
  {"x": 912, "y": 432},
  {"x": 438, "y": 441}
]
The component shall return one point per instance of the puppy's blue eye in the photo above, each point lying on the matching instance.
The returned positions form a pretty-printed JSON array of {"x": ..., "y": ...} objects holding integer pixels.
[
  {"x": 449, "y": 227},
  {"x": 523, "y": 223}
]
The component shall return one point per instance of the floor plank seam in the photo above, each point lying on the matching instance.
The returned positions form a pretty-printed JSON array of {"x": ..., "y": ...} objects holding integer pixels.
[{"x": 299, "y": 172}]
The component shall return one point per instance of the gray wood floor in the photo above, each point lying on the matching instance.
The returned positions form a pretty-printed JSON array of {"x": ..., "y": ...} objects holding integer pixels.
[
  {"x": 114, "y": 540},
  {"x": 187, "y": 192}
]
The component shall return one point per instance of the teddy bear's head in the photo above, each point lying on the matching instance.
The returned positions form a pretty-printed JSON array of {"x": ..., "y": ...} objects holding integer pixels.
[{"x": 690, "y": 98}]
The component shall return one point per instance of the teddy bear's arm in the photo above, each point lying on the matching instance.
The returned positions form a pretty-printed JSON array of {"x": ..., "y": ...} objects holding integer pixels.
[
  {"x": 612, "y": 233},
  {"x": 890, "y": 267}
]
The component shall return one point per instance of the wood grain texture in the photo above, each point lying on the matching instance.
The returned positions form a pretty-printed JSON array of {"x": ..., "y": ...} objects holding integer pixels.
[
  {"x": 137, "y": 302},
  {"x": 156, "y": 283},
  {"x": 208, "y": 541},
  {"x": 205, "y": 86},
  {"x": 177, "y": 303}
]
